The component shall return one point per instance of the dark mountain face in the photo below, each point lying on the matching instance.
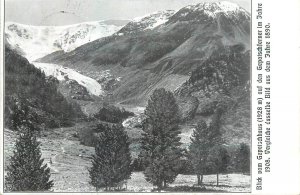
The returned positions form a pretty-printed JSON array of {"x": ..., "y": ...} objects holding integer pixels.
[{"x": 147, "y": 56}]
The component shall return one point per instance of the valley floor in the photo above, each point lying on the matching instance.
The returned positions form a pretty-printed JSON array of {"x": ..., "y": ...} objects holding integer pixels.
[{"x": 71, "y": 161}]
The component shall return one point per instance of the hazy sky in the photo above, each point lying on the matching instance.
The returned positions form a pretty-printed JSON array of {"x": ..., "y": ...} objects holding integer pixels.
[{"x": 61, "y": 12}]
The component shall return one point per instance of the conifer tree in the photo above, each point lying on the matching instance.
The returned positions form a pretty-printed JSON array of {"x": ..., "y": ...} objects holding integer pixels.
[
  {"x": 160, "y": 143},
  {"x": 21, "y": 114},
  {"x": 218, "y": 160},
  {"x": 218, "y": 157},
  {"x": 199, "y": 150},
  {"x": 215, "y": 134},
  {"x": 204, "y": 140},
  {"x": 111, "y": 162},
  {"x": 26, "y": 171},
  {"x": 243, "y": 158}
]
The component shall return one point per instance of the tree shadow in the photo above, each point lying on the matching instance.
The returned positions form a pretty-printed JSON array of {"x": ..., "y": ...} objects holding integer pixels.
[{"x": 187, "y": 189}]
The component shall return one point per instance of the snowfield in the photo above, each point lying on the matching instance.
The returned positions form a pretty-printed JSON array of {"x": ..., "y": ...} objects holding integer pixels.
[
  {"x": 38, "y": 41},
  {"x": 63, "y": 73}
]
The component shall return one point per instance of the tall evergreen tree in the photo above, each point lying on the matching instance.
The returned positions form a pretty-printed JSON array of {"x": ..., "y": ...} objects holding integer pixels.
[
  {"x": 161, "y": 142},
  {"x": 111, "y": 162},
  {"x": 218, "y": 160},
  {"x": 215, "y": 134},
  {"x": 26, "y": 171},
  {"x": 218, "y": 157},
  {"x": 243, "y": 158},
  {"x": 199, "y": 149}
]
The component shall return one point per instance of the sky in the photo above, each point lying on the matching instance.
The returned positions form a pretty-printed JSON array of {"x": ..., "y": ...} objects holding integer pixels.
[{"x": 64, "y": 12}]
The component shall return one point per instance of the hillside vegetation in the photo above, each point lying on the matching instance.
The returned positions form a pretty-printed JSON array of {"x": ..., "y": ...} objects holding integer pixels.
[{"x": 26, "y": 87}]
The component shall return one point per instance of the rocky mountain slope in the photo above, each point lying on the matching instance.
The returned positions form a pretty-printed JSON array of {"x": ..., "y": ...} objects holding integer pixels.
[{"x": 148, "y": 22}]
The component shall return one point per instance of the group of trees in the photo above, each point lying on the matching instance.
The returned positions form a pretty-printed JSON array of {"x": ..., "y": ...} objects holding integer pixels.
[
  {"x": 161, "y": 156},
  {"x": 226, "y": 68},
  {"x": 160, "y": 147},
  {"x": 206, "y": 151}
]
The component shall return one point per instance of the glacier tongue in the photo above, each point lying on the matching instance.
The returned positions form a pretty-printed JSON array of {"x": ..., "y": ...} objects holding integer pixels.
[{"x": 63, "y": 73}]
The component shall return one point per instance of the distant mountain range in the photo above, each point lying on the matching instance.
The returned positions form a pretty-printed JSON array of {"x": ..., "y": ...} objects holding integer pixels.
[{"x": 161, "y": 49}]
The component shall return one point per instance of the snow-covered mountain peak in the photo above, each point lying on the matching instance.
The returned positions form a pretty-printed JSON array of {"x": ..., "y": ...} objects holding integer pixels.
[
  {"x": 228, "y": 6},
  {"x": 224, "y": 6},
  {"x": 147, "y": 22},
  {"x": 159, "y": 15},
  {"x": 38, "y": 41},
  {"x": 214, "y": 8},
  {"x": 157, "y": 18}
]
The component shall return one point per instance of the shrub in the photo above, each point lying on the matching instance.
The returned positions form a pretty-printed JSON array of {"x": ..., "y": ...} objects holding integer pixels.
[{"x": 112, "y": 114}]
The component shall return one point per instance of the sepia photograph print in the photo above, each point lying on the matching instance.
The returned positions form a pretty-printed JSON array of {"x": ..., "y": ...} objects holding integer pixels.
[{"x": 127, "y": 96}]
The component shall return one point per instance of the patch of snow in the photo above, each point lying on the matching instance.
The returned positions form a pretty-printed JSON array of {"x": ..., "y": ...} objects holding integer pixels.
[
  {"x": 61, "y": 73},
  {"x": 154, "y": 19},
  {"x": 161, "y": 20}
]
